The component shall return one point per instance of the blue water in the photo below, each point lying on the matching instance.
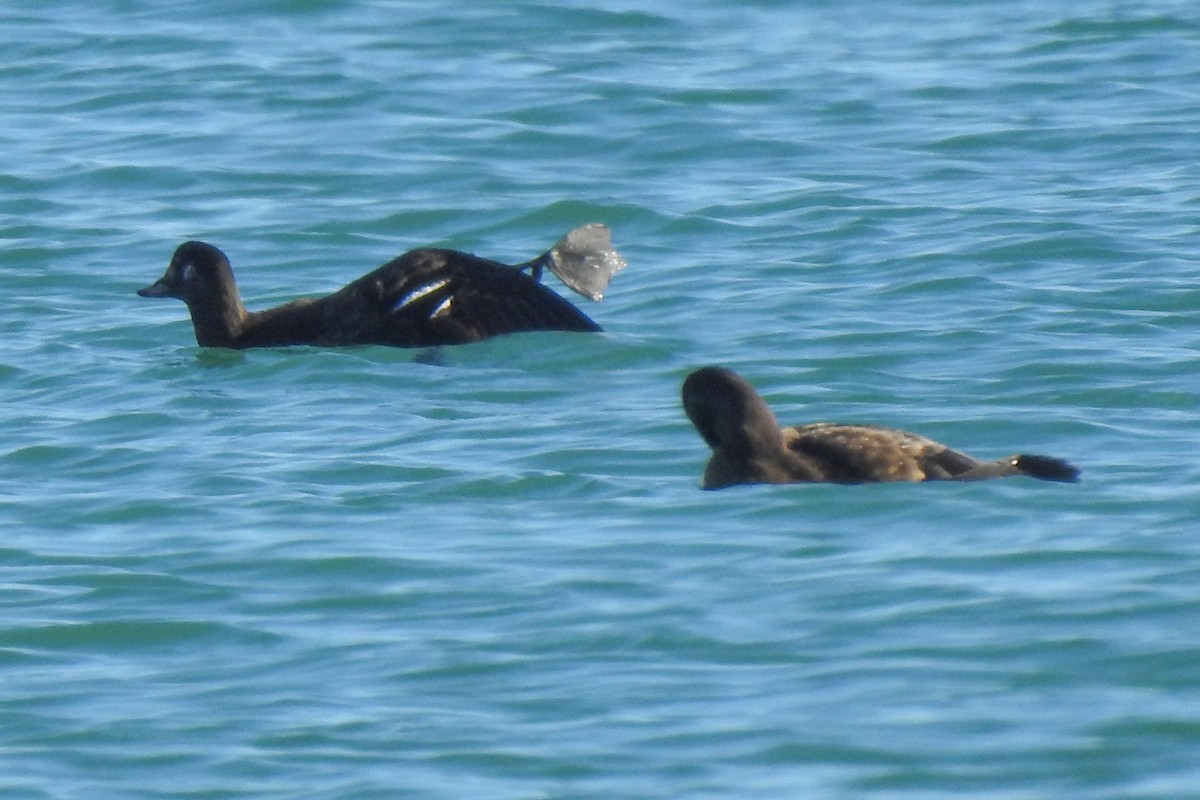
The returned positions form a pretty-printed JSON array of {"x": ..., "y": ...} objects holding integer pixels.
[{"x": 362, "y": 574}]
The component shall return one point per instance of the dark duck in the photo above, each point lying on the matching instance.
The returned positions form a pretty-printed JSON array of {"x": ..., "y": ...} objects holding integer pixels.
[
  {"x": 424, "y": 298},
  {"x": 749, "y": 446}
]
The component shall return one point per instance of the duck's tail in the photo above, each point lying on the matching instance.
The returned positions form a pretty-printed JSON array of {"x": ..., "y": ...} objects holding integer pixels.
[
  {"x": 1046, "y": 468},
  {"x": 585, "y": 260}
]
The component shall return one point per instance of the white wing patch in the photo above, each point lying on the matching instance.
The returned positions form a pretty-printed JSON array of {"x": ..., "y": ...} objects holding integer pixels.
[
  {"x": 423, "y": 291},
  {"x": 443, "y": 308}
]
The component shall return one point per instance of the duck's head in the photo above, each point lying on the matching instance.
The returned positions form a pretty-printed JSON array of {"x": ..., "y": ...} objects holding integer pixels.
[
  {"x": 198, "y": 273},
  {"x": 726, "y": 409},
  {"x": 747, "y": 444}
]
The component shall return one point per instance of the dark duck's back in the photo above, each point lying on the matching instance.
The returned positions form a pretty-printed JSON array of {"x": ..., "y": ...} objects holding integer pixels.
[
  {"x": 426, "y": 297},
  {"x": 749, "y": 446}
]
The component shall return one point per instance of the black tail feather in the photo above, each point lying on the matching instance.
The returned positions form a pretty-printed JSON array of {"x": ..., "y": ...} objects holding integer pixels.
[{"x": 1046, "y": 468}]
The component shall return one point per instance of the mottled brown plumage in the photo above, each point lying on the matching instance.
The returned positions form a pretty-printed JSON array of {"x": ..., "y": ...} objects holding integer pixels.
[
  {"x": 425, "y": 297},
  {"x": 749, "y": 446}
]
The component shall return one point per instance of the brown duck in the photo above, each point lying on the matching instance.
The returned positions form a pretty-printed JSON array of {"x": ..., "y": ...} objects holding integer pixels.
[
  {"x": 424, "y": 298},
  {"x": 750, "y": 447}
]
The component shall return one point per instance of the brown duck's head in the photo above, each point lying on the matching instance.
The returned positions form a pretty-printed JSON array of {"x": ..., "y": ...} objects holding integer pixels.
[
  {"x": 198, "y": 274},
  {"x": 727, "y": 411}
]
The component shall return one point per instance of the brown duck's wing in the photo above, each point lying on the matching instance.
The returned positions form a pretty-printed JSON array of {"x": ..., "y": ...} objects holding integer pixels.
[
  {"x": 430, "y": 297},
  {"x": 872, "y": 454}
]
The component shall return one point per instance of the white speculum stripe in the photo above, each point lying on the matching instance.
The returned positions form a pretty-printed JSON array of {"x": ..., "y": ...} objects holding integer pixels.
[{"x": 422, "y": 291}]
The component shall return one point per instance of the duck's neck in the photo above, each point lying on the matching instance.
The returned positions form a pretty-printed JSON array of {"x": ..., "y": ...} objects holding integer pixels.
[
  {"x": 219, "y": 321},
  {"x": 749, "y": 427}
]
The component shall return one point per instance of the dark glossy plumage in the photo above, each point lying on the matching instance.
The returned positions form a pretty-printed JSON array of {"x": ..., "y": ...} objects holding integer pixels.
[
  {"x": 424, "y": 298},
  {"x": 749, "y": 446}
]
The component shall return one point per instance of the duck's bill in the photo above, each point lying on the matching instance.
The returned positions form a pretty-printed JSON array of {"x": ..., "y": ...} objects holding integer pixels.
[{"x": 157, "y": 289}]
